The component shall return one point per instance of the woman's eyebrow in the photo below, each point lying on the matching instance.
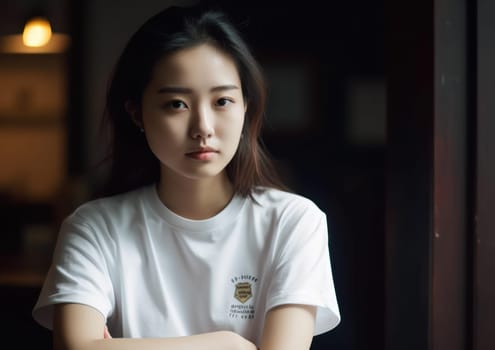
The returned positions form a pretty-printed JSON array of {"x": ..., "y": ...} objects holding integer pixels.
[
  {"x": 185, "y": 90},
  {"x": 224, "y": 87}
]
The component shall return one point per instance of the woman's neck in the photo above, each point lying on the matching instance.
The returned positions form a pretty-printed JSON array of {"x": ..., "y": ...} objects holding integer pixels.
[{"x": 195, "y": 199}]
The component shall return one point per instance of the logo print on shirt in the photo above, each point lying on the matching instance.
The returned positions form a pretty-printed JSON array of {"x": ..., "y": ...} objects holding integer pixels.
[
  {"x": 242, "y": 306},
  {"x": 243, "y": 291}
]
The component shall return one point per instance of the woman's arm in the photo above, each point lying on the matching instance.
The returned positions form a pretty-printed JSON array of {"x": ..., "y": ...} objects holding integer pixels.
[
  {"x": 289, "y": 327},
  {"x": 81, "y": 327}
]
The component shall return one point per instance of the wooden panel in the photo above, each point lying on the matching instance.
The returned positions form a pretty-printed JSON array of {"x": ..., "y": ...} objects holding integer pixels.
[
  {"x": 484, "y": 252},
  {"x": 450, "y": 262},
  {"x": 428, "y": 262}
]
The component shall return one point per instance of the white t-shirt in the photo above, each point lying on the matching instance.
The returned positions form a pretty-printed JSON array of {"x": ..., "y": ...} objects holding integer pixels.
[{"x": 152, "y": 273}]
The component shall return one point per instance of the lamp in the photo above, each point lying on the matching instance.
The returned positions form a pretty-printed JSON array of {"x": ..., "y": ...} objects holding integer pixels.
[
  {"x": 37, "y": 32},
  {"x": 37, "y": 37}
]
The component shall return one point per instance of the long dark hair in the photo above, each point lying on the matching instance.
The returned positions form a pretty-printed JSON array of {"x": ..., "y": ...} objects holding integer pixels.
[{"x": 132, "y": 162}]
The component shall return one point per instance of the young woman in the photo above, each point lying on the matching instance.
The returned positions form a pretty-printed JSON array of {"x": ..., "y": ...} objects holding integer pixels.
[{"x": 196, "y": 244}]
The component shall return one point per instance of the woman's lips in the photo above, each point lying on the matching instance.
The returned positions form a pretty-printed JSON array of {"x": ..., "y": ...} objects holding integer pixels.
[{"x": 202, "y": 154}]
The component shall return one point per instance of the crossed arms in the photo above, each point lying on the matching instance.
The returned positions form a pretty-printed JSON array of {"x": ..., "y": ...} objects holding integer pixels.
[{"x": 81, "y": 327}]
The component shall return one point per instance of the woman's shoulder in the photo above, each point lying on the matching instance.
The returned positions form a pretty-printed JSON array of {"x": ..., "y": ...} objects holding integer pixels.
[
  {"x": 110, "y": 206},
  {"x": 283, "y": 200},
  {"x": 292, "y": 213}
]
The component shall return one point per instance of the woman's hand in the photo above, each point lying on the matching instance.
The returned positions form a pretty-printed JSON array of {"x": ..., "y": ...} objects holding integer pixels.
[
  {"x": 106, "y": 333},
  {"x": 78, "y": 326},
  {"x": 240, "y": 342}
]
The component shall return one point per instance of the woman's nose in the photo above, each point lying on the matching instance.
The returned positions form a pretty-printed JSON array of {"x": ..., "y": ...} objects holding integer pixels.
[{"x": 202, "y": 123}]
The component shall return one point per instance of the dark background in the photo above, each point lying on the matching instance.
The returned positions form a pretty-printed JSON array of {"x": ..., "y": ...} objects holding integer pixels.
[{"x": 331, "y": 46}]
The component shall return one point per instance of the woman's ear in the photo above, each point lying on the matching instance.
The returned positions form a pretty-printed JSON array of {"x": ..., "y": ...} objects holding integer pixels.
[{"x": 134, "y": 112}]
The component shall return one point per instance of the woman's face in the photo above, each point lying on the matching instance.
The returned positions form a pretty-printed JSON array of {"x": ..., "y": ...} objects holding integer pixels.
[{"x": 193, "y": 112}]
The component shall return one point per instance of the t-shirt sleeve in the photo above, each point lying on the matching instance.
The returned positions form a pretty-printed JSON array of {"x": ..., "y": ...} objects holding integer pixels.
[
  {"x": 78, "y": 274},
  {"x": 302, "y": 272}
]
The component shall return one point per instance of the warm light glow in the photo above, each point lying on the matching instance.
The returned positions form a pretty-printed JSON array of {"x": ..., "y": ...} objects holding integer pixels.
[{"x": 37, "y": 32}]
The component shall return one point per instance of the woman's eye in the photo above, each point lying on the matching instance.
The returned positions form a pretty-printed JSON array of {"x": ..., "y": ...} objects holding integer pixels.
[
  {"x": 176, "y": 104},
  {"x": 222, "y": 102}
]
